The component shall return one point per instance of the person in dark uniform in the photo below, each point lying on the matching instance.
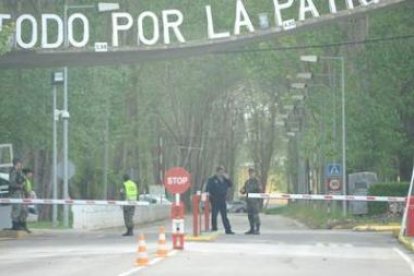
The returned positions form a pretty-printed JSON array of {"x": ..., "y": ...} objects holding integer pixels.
[
  {"x": 252, "y": 185},
  {"x": 217, "y": 187}
]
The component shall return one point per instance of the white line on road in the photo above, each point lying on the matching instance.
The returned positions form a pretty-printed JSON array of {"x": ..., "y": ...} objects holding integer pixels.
[
  {"x": 405, "y": 258},
  {"x": 153, "y": 262}
]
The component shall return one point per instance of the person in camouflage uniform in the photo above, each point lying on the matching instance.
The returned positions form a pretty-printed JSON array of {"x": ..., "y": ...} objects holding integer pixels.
[
  {"x": 16, "y": 180},
  {"x": 252, "y": 185}
]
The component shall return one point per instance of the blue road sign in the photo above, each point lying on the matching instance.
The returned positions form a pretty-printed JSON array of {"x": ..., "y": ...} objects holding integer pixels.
[{"x": 333, "y": 170}]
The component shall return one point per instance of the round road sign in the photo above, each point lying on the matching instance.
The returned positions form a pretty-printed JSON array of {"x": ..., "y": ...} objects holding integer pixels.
[
  {"x": 334, "y": 184},
  {"x": 177, "y": 180}
]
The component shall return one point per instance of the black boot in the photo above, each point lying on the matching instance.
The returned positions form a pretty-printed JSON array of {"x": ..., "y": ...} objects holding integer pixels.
[
  {"x": 251, "y": 231},
  {"x": 15, "y": 225},
  {"x": 126, "y": 233},
  {"x": 257, "y": 231},
  {"x": 24, "y": 227},
  {"x": 129, "y": 232}
]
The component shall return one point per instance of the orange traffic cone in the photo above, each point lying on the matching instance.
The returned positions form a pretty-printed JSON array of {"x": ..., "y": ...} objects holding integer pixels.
[
  {"x": 142, "y": 259},
  {"x": 162, "y": 244}
]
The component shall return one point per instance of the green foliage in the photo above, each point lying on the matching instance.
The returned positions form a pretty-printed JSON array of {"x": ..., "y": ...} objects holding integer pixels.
[
  {"x": 5, "y": 35},
  {"x": 313, "y": 214},
  {"x": 399, "y": 189},
  {"x": 324, "y": 215}
]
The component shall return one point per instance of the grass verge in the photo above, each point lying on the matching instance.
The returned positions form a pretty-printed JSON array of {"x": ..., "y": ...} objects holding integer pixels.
[
  {"x": 318, "y": 215},
  {"x": 46, "y": 225}
]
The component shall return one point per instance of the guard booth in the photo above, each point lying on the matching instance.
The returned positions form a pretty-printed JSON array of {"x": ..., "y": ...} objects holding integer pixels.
[{"x": 359, "y": 184}]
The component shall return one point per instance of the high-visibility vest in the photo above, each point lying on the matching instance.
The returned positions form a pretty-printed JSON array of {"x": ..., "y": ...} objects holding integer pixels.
[
  {"x": 131, "y": 190},
  {"x": 27, "y": 185}
]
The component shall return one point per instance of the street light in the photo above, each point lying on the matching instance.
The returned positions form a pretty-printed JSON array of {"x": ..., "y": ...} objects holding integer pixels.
[
  {"x": 100, "y": 7},
  {"x": 313, "y": 58},
  {"x": 58, "y": 78}
]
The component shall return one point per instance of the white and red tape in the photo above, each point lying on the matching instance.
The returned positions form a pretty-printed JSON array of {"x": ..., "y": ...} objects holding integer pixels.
[
  {"x": 251, "y": 195},
  {"x": 71, "y": 202},
  {"x": 329, "y": 197}
]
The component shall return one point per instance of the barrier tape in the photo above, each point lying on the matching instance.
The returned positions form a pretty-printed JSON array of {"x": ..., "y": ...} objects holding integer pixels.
[
  {"x": 71, "y": 202},
  {"x": 329, "y": 197},
  {"x": 250, "y": 195}
]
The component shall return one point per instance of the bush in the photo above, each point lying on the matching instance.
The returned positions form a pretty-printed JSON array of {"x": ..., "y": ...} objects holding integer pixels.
[{"x": 399, "y": 189}]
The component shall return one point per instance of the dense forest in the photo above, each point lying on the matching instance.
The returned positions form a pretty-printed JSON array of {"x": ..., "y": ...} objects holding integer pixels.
[{"x": 233, "y": 108}]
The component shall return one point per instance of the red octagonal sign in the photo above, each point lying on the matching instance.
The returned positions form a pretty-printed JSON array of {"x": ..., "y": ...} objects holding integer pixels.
[{"x": 177, "y": 180}]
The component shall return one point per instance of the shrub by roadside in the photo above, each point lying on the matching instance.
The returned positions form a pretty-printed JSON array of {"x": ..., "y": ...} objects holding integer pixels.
[
  {"x": 386, "y": 189},
  {"x": 327, "y": 215}
]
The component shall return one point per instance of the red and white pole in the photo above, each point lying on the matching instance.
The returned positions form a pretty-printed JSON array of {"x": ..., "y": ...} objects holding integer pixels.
[{"x": 177, "y": 216}]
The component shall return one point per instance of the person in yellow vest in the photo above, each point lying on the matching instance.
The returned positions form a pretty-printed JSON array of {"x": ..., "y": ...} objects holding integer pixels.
[
  {"x": 27, "y": 193},
  {"x": 129, "y": 192}
]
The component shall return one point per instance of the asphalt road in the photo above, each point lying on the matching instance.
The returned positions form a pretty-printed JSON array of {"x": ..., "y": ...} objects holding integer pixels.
[{"x": 284, "y": 248}]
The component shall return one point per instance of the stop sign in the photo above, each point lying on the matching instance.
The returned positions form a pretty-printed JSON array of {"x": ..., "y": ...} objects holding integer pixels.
[{"x": 177, "y": 180}]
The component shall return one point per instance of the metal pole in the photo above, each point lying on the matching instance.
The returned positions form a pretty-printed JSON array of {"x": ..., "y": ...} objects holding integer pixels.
[
  {"x": 344, "y": 184},
  {"x": 106, "y": 152},
  {"x": 65, "y": 149},
  {"x": 65, "y": 126},
  {"x": 54, "y": 169}
]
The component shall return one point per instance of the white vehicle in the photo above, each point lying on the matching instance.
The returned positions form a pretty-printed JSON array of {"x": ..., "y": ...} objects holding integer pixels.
[
  {"x": 4, "y": 185},
  {"x": 154, "y": 199}
]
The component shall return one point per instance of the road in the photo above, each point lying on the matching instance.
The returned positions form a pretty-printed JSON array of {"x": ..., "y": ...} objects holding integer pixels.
[{"x": 284, "y": 248}]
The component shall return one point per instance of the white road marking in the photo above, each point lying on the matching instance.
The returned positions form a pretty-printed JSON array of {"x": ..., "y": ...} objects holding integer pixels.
[
  {"x": 153, "y": 262},
  {"x": 406, "y": 258},
  {"x": 325, "y": 250}
]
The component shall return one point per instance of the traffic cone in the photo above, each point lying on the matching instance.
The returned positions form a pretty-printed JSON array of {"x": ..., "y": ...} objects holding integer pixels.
[
  {"x": 162, "y": 244},
  {"x": 142, "y": 259}
]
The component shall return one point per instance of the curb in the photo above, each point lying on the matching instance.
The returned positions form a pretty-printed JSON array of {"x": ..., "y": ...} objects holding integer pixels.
[
  {"x": 407, "y": 242},
  {"x": 11, "y": 234},
  {"x": 376, "y": 228},
  {"x": 203, "y": 238}
]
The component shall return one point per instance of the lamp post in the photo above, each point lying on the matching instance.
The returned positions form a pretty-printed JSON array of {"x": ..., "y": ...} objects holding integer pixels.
[
  {"x": 313, "y": 58},
  {"x": 57, "y": 79},
  {"x": 100, "y": 7}
]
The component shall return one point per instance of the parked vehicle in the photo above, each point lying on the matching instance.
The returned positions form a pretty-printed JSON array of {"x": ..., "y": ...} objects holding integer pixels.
[
  {"x": 4, "y": 185},
  {"x": 237, "y": 206},
  {"x": 154, "y": 199}
]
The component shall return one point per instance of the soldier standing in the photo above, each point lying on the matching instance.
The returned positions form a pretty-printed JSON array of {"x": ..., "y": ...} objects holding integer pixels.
[
  {"x": 16, "y": 181},
  {"x": 129, "y": 192},
  {"x": 252, "y": 185}
]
